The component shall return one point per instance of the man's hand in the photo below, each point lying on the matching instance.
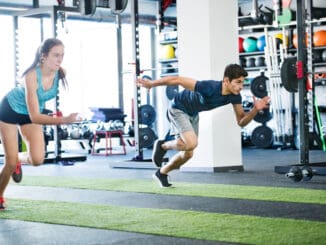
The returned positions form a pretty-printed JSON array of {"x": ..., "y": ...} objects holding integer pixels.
[
  {"x": 144, "y": 83},
  {"x": 261, "y": 104}
]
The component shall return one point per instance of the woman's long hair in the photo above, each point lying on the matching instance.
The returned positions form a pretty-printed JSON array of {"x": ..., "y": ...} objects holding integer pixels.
[{"x": 44, "y": 50}]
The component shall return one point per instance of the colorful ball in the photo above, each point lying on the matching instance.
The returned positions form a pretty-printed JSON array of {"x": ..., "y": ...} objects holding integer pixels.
[
  {"x": 280, "y": 39},
  {"x": 295, "y": 40},
  {"x": 167, "y": 52},
  {"x": 250, "y": 44},
  {"x": 319, "y": 38},
  {"x": 240, "y": 44},
  {"x": 261, "y": 43}
]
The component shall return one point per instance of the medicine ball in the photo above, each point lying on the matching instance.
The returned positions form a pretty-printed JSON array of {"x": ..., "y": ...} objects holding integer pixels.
[
  {"x": 319, "y": 38},
  {"x": 323, "y": 55},
  {"x": 240, "y": 44},
  {"x": 295, "y": 40},
  {"x": 317, "y": 55},
  {"x": 250, "y": 62},
  {"x": 242, "y": 62},
  {"x": 167, "y": 52},
  {"x": 75, "y": 133},
  {"x": 250, "y": 44},
  {"x": 261, "y": 43},
  {"x": 167, "y": 68},
  {"x": 280, "y": 39},
  {"x": 260, "y": 61}
]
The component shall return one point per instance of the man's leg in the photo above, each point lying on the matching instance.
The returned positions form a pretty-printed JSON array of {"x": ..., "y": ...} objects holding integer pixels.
[{"x": 185, "y": 144}]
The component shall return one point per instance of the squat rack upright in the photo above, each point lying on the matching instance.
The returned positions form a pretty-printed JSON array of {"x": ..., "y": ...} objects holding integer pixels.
[{"x": 303, "y": 16}]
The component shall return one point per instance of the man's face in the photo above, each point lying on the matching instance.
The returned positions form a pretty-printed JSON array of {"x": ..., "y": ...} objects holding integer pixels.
[{"x": 235, "y": 85}]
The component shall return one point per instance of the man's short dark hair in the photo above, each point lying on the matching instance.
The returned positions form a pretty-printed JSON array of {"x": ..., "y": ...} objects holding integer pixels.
[{"x": 233, "y": 71}]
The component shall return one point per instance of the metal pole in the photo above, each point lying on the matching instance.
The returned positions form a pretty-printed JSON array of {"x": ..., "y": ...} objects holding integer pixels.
[
  {"x": 301, "y": 75},
  {"x": 119, "y": 60},
  {"x": 137, "y": 96}
]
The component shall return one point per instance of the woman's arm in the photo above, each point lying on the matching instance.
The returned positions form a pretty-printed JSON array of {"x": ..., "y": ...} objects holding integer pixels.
[{"x": 187, "y": 83}]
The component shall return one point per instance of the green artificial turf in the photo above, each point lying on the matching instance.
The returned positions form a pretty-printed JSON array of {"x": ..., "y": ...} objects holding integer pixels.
[
  {"x": 282, "y": 194},
  {"x": 177, "y": 223}
]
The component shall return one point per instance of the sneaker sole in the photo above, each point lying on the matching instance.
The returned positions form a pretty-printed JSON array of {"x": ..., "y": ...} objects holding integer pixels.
[
  {"x": 17, "y": 178},
  {"x": 159, "y": 182},
  {"x": 153, "y": 157}
]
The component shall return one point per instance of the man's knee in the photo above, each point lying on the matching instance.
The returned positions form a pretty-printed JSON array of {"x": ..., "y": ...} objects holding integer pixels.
[
  {"x": 187, "y": 146},
  {"x": 188, "y": 154}
]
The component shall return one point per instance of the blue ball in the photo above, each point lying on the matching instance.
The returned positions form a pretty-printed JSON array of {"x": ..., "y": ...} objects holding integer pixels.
[{"x": 261, "y": 43}]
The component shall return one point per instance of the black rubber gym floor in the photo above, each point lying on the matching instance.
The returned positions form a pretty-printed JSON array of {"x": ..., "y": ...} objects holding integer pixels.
[{"x": 259, "y": 171}]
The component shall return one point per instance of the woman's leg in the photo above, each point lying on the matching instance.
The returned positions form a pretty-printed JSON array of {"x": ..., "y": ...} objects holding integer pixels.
[
  {"x": 9, "y": 136},
  {"x": 33, "y": 136}
]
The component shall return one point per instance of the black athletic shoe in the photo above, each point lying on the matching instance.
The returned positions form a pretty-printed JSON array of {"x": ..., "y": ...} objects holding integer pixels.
[
  {"x": 158, "y": 153},
  {"x": 17, "y": 175},
  {"x": 2, "y": 204},
  {"x": 162, "y": 179}
]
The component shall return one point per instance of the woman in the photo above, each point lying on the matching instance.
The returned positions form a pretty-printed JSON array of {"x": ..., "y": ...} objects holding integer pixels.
[{"x": 22, "y": 108}]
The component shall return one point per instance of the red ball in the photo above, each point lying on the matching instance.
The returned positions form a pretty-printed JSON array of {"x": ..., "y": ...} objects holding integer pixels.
[{"x": 240, "y": 43}]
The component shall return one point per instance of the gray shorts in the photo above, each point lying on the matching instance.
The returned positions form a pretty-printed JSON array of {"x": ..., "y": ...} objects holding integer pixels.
[{"x": 182, "y": 122}]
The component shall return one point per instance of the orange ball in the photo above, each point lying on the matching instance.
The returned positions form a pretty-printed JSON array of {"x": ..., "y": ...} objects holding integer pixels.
[
  {"x": 295, "y": 40},
  {"x": 319, "y": 38}
]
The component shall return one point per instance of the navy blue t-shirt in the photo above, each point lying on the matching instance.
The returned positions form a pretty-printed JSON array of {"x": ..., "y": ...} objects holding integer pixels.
[{"x": 207, "y": 95}]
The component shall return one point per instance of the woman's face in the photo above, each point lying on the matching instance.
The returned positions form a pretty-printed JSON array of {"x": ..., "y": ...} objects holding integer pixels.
[{"x": 54, "y": 58}]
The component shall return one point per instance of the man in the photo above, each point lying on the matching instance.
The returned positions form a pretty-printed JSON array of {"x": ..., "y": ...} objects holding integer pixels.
[{"x": 197, "y": 96}]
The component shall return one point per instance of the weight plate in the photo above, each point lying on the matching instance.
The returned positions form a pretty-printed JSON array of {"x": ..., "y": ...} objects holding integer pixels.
[
  {"x": 146, "y": 137},
  {"x": 295, "y": 174},
  {"x": 307, "y": 173},
  {"x": 262, "y": 136},
  {"x": 289, "y": 74},
  {"x": 171, "y": 91},
  {"x": 147, "y": 115},
  {"x": 146, "y": 77},
  {"x": 258, "y": 86},
  {"x": 263, "y": 116}
]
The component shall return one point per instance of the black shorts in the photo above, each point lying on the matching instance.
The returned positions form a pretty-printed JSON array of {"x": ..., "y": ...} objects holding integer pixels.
[{"x": 8, "y": 115}]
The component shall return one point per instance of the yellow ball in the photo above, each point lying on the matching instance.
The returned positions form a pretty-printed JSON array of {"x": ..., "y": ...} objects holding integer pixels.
[
  {"x": 281, "y": 38},
  {"x": 167, "y": 52}
]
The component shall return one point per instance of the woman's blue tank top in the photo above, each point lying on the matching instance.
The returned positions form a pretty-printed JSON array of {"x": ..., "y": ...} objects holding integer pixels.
[{"x": 17, "y": 100}]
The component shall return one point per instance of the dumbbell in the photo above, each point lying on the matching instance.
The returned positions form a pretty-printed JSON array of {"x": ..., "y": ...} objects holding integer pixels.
[{"x": 297, "y": 174}]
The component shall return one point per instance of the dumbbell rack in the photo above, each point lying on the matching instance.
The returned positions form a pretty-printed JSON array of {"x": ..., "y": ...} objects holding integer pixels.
[{"x": 319, "y": 168}]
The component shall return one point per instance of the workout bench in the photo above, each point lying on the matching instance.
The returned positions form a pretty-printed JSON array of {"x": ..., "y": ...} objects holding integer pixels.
[{"x": 109, "y": 134}]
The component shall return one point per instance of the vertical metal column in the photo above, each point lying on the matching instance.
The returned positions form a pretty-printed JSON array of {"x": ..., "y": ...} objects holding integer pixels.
[
  {"x": 16, "y": 51},
  {"x": 57, "y": 143},
  {"x": 302, "y": 80},
  {"x": 137, "y": 97},
  {"x": 119, "y": 59}
]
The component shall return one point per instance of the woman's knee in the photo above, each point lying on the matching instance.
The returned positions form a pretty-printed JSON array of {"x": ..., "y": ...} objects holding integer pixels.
[{"x": 36, "y": 160}]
